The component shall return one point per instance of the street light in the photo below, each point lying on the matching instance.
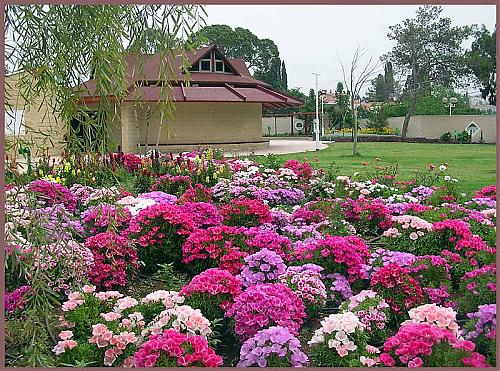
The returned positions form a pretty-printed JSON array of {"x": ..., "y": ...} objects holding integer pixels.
[
  {"x": 316, "y": 119},
  {"x": 450, "y": 102}
]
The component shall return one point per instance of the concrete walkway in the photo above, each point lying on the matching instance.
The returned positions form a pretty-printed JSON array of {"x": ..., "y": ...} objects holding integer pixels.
[{"x": 283, "y": 146}]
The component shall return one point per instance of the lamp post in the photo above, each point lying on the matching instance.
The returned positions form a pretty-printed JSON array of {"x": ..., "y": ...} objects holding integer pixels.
[
  {"x": 316, "y": 119},
  {"x": 450, "y": 102}
]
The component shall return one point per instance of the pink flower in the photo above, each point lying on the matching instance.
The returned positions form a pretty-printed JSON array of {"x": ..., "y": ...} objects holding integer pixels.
[
  {"x": 65, "y": 335},
  {"x": 416, "y": 362}
]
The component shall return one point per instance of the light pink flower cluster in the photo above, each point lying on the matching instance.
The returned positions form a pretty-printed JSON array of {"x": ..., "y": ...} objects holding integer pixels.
[
  {"x": 64, "y": 343},
  {"x": 169, "y": 298},
  {"x": 336, "y": 330},
  {"x": 182, "y": 318},
  {"x": 370, "y": 361},
  {"x": 103, "y": 337},
  {"x": 441, "y": 317}
]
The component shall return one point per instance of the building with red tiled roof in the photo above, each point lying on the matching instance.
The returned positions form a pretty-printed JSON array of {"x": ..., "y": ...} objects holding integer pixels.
[{"x": 217, "y": 103}]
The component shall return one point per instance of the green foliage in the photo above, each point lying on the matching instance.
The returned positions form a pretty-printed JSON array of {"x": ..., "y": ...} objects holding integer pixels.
[
  {"x": 58, "y": 48},
  {"x": 481, "y": 62}
]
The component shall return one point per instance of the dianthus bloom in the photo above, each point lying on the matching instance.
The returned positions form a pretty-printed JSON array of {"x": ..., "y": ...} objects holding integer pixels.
[
  {"x": 264, "y": 305},
  {"x": 245, "y": 212},
  {"x": 436, "y": 315},
  {"x": 212, "y": 290},
  {"x": 272, "y": 347},
  {"x": 264, "y": 266},
  {"x": 131, "y": 162},
  {"x": 345, "y": 255},
  {"x": 173, "y": 349},
  {"x": 14, "y": 300},
  {"x": 486, "y": 322},
  {"x": 99, "y": 218},
  {"x": 307, "y": 285},
  {"x": 214, "y": 247},
  {"x": 397, "y": 287},
  {"x": 416, "y": 340},
  {"x": 51, "y": 193},
  {"x": 115, "y": 259}
]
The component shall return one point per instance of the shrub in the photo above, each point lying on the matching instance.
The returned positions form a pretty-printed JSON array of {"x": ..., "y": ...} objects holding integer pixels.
[
  {"x": 372, "y": 311},
  {"x": 159, "y": 232},
  {"x": 339, "y": 342},
  {"x": 265, "y": 305},
  {"x": 272, "y": 347},
  {"x": 307, "y": 285},
  {"x": 345, "y": 255},
  {"x": 52, "y": 193},
  {"x": 426, "y": 345},
  {"x": 212, "y": 291},
  {"x": 115, "y": 260},
  {"x": 245, "y": 212},
  {"x": 264, "y": 266},
  {"x": 214, "y": 247},
  {"x": 397, "y": 287},
  {"x": 173, "y": 349},
  {"x": 174, "y": 185}
]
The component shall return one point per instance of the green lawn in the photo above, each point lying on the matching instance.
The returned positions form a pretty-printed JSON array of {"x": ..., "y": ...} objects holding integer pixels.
[{"x": 474, "y": 165}]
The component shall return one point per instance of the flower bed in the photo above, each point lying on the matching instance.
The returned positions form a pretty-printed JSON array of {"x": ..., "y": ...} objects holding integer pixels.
[{"x": 279, "y": 266}]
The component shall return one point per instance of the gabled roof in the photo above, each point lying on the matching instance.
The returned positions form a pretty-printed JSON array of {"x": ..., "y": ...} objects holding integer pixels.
[{"x": 202, "y": 86}]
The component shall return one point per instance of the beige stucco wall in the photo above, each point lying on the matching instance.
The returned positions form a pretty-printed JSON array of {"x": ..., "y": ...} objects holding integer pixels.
[
  {"x": 193, "y": 124},
  {"x": 43, "y": 129},
  {"x": 434, "y": 126}
]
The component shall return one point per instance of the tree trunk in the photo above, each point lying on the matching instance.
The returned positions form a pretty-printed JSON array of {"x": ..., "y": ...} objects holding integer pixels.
[
  {"x": 355, "y": 133},
  {"x": 409, "y": 114}
]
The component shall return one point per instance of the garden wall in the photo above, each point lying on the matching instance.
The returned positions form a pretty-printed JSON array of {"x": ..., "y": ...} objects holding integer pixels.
[{"x": 432, "y": 127}]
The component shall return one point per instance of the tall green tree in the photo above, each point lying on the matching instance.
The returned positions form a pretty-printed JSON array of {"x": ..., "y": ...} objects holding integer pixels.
[
  {"x": 61, "y": 46},
  {"x": 284, "y": 76},
  {"x": 261, "y": 55},
  {"x": 481, "y": 62},
  {"x": 428, "y": 50}
]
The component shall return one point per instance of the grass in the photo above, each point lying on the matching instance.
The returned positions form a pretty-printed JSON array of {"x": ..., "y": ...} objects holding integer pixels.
[{"x": 473, "y": 164}]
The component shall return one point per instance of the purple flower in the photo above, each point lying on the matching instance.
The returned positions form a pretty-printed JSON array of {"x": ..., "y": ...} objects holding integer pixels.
[
  {"x": 160, "y": 197},
  {"x": 265, "y": 345},
  {"x": 264, "y": 266}
]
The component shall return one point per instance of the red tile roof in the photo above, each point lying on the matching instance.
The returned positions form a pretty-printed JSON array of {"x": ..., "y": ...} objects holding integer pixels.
[{"x": 204, "y": 86}]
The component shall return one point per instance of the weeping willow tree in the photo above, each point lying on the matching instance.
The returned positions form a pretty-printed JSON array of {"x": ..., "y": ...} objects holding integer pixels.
[{"x": 59, "y": 47}]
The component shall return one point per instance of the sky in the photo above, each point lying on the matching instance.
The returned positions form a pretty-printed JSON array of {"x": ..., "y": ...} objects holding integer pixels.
[{"x": 311, "y": 38}]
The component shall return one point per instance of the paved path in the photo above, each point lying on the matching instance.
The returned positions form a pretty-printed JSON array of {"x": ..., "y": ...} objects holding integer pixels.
[{"x": 283, "y": 146}]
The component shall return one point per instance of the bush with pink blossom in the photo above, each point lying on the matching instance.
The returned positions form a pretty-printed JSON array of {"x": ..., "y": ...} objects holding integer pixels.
[
  {"x": 159, "y": 231},
  {"x": 265, "y": 305},
  {"x": 174, "y": 185},
  {"x": 307, "y": 285},
  {"x": 212, "y": 291},
  {"x": 51, "y": 193},
  {"x": 115, "y": 260},
  {"x": 173, "y": 349},
  {"x": 372, "y": 311},
  {"x": 219, "y": 246},
  {"x": 344, "y": 255},
  {"x": 427, "y": 345},
  {"x": 245, "y": 212},
  {"x": 477, "y": 287},
  {"x": 105, "y": 217}
]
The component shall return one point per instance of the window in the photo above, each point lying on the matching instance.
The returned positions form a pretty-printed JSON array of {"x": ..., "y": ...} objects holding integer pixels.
[
  {"x": 472, "y": 128},
  {"x": 219, "y": 66},
  {"x": 14, "y": 122},
  {"x": 195, "y": 67},
  {"x": 206, "y": 65}
]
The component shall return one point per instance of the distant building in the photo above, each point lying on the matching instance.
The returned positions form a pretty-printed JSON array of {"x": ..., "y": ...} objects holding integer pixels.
[{"x": 478, "y": 102}]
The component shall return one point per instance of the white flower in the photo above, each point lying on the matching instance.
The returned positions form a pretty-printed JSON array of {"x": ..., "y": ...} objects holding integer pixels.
[
  {"x": 463, "y": 194},
  {"x": 442, "y": 168},
  {"x": 447, "y": 178},
  {"x": 454, "y": 180}
]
